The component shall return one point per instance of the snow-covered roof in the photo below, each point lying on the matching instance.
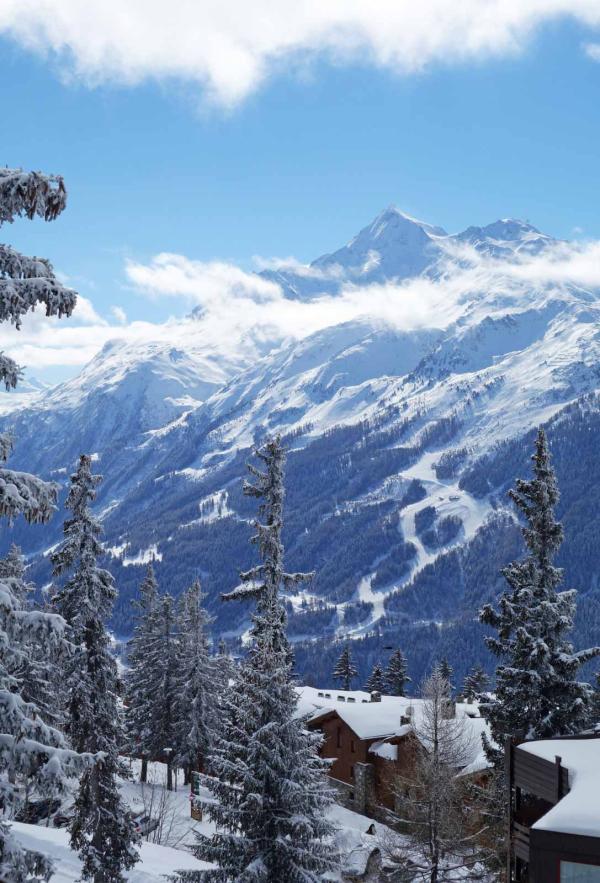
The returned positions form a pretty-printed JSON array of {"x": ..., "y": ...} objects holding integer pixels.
[
  {"x": 386, "y": 719},
  {"x": 386, "y": 750},
  {"x": 577, "y": 812}
]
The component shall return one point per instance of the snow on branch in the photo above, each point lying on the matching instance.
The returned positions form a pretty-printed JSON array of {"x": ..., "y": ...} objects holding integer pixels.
[
  {"x": 30, "y": 194},
  {"x": 27, "y": 495},
  {"x": 10, "y": 374},
  {"x": 18, "y": 296}
]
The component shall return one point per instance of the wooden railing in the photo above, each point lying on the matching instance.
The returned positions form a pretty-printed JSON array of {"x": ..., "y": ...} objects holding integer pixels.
[{"x": 520, "y": 839}]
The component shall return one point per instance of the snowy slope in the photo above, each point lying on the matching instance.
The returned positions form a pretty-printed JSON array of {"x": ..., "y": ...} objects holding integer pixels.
[
  {"x": 383, "y": 415},
  {"x": 156, "y": 862}
]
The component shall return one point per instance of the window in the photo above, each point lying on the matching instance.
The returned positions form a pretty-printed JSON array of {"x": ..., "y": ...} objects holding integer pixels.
[
  {"x": 575, "y": 872},
  {"x": 339, "y": 737},
  {"x": 352, "y": 772}
]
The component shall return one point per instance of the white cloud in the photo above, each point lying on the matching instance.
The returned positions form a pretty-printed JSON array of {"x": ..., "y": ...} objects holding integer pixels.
[
  {"x": 592, "y": 50},
  {"x": 240, "y": 311},
  {"x": 229, "y": 47},
  {"x": 200, "y": 282}
]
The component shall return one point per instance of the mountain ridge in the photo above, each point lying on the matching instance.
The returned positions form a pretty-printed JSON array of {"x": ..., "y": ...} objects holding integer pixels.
[{"x": 386, "y": 421}]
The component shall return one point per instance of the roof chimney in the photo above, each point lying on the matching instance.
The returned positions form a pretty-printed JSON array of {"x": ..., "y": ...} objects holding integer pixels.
[{"x": 375, "y": 696}]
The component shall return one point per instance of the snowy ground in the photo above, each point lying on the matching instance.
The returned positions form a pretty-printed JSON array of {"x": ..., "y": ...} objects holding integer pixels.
[
  {"x": 156, "y": 861},
  {"x": 166, "y": 849}
]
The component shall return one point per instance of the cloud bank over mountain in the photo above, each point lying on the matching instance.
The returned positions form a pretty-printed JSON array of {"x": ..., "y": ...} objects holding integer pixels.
[{"x": 227, "y": 306}]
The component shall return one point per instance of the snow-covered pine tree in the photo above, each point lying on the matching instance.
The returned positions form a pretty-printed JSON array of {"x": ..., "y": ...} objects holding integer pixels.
[
  {"x": 140, "y": 685},
  {"x": 197, "y": 683},
  {"x": 25, "y": 283},
  {"x": 101, "y": 830},
  {"x": 537, "y": 694},
  {"x": 268, "y": 780},
  {"x": 13, "y": 566},
  {"x": 30, "y": 749},
  {"x": 36, "y": 668},
  {"x": 445, "y": 671},
  {"x": 163, "y": 720},
  {"x": 396, "y": 676},
  {"x": 345, "y": 670},
  {"x": 475, "y": 683},
  {"x": 153, "y": 681},
  {"x": 224, "y": 665},
  {"x": 27, "y": 745},
  {"x": 376, "y": 680}
]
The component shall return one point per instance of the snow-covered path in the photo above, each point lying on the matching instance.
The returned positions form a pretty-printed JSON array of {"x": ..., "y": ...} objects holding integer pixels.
[{"x": 448, "y": 499}]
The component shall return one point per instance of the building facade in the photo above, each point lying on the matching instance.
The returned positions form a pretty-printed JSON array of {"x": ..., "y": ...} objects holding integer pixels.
[{"x": 554, "y": 810}]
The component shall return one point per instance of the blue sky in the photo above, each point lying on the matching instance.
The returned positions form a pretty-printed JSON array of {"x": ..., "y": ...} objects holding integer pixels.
[{"x": 302, "y": 159}]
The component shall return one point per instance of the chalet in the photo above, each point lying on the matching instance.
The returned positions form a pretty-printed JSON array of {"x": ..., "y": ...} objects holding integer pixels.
[
  {"x": 554, "y": 810},
  {"x": 370, "y": 741}
]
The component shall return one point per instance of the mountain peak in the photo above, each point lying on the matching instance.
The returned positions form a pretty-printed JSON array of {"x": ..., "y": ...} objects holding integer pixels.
[
  {"x": 506, "y": 232},
  {"x": 393, "y": 246},
  {"x": 395, "y": 217}
]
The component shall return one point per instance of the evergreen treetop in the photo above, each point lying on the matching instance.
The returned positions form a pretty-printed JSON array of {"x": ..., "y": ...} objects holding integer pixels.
[
  {"x": 376, "y": 680},
  {"x": 102, "y": 830},
  {"x": 198, "y": 684},
  {"x": 267, "y": 779},
  {"x": 475, "y": 683},
  {"x": 396, "y": 676},
  {"x": 140, "y": 683},
  {"x": 537, "y": 695},
  {"x": 345, "y": 670}
]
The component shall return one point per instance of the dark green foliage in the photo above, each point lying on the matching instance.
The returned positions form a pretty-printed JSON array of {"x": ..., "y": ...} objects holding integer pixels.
[
  {"x": 395, "y": 566},
  {"x": 345, "y": 670},
  {"x": 475, "y": 683},
  {"x": 536, "y": 694},
  {"x": 424, "y": 519},
  {"x": 376, "y": 680},
  {"x": 396, "y": 675},
  {"x": 312, "y": 619},
  {"x": 357, "y": 613}
]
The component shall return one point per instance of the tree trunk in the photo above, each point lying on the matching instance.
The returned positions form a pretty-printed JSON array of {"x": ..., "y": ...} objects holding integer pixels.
[
  {"x": 144, "y": 773},
  {"x": 169, "y": 775}
]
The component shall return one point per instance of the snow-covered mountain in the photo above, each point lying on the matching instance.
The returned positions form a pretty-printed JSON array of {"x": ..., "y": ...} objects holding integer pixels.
[
  {"x": 405, "y": 426},
  {"x": 395, "y": 246}
]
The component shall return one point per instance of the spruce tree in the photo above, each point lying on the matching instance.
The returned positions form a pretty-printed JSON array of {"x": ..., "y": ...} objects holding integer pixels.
[
  {"x": 376, "y": 680},
  {"x": 101, "y": 830},
  {"x": 152, "y": 681},
  {"x": 35, "y": 670},
  {"x": 475, "y": 683},
  {"x": 24, "y": 283},
  {"x": 28, "y": 746},
  {"x": 345, "y": 670},
  {"x": 198, "y": 683},
  {"x": 139, "y": 683},
  {"x": 31, "y": 750},
  {"x": 268, "y": 781},
  {"x": 396, "y": 677},
  {"x": 445, "y": 671},
  {"x": 537, "y": 694},
  {"x": 163, "y": 720}
]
